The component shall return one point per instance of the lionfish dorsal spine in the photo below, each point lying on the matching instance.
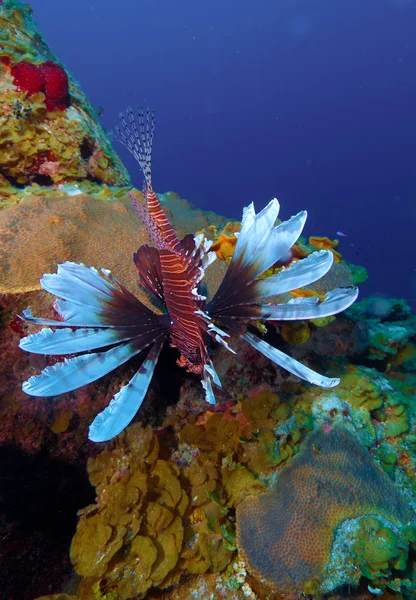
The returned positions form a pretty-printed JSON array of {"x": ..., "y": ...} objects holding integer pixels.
[{"x": 138, "y": 139}]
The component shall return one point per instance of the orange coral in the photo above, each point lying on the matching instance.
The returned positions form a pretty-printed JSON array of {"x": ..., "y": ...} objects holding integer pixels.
[
  {"x": 326, "y": 244},
  {"x": 306, "y": 293},
  {"x": 285, "y": 535},
  {"x": 322, "y": 243},
  {"x": 224, "y": 246}
]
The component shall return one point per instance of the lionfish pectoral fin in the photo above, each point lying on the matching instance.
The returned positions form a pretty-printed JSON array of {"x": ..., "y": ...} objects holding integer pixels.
[
  {"x": 125, "y": 404},
  {"x": 334, "y": 302},
  {"x": 69, "y": 341},
  {"x": 147, "y": 261},
  {"x": 288, "y": 363},
  {"x": 78, "y": 371}
]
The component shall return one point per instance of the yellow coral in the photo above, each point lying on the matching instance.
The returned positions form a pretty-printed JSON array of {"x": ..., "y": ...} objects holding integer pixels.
[
  {"x": 296, "y": 332},
  {"x": 165, "y": 509},
  {"x": 323, "y": 321},
  {"x": 306, "y": 293},
  {"x": 62, "y": 419},
  {"x": 359, "y": 391}
]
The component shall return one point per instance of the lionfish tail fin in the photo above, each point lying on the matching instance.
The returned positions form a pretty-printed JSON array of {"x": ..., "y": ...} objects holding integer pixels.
[{"x": 137, "y": 137}]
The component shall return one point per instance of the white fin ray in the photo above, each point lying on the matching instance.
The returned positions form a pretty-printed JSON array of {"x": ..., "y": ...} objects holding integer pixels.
[
  {"x": 88, "y": 275},
  {"x": 79, "y": 316},
  {"x": 219, "y": 335},
  {"x": 299, "y": 274},
  {"x": 210, "y": 376},
  {"x": 126, "y": 403},
  {"x": 288, "y": 363},
  {"x": 75, "y": 372},
  {"x": 260, "y": 243},
  {"x": 297, "y": 309},
  {"x": 78, "y": 285},
  {"x": 254, "y": 230},
  {"x": 28, "y": 316},
  {"x": 279, "y": 242},
  {"x": 68, "y": 341}
]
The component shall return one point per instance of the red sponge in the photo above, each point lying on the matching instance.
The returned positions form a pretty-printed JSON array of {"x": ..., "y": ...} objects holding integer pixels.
[
  {"x": 56, "y": 86},
  {"x": 48, "y": 77},
  {"x": 28, "y": 77}
]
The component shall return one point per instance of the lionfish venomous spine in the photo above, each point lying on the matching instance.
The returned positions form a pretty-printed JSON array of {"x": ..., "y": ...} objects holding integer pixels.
[{"x": 106, "y": 325}]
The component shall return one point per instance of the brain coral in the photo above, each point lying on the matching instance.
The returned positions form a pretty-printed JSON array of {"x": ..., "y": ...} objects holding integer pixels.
[{"x": 285, "y": 534}]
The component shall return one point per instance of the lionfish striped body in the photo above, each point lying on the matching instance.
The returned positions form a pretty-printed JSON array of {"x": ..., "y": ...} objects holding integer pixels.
[
  {"x": 180, "y": 262},
  {"x": 100, "y": 313}
]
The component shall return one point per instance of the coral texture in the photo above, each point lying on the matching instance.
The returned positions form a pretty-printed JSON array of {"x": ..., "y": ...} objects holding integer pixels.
[
  {"x": 285, "y": 535},
  {"x": 40, "y": 231}
]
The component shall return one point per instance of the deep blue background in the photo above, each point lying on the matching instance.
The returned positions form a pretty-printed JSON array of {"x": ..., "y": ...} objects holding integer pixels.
[{"x": 311, "y": 101}]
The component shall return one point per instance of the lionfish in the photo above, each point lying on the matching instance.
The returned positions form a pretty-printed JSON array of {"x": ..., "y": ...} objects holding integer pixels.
[{"x": 98, "y": 313}]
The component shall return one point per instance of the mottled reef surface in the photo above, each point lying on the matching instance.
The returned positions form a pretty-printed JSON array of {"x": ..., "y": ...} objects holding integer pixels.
[{"x": 282, "y": 490}]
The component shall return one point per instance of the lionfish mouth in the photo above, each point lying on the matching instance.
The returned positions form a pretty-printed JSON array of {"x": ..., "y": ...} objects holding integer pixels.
[{"x": 105, "y": 325}]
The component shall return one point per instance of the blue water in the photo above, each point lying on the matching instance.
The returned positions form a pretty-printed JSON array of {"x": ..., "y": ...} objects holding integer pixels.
[{"x": 313, "y": 102}]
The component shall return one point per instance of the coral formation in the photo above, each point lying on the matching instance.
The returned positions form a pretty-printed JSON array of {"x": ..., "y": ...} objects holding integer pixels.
[
  {"x": 164, "y": 521},
  {"x": 285, "y": 535},
  {"x": 40, "y": 231},
  {"x": 389, "y": 330},
  {"x": 48, "y": 77},
  {"x": 49, "y": 132},
  {"x": 327, "y": 244},
  {"x": 152, "y": 521}
]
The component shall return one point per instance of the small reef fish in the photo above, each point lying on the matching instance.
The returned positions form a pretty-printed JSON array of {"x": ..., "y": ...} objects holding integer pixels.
[
  {"x": 341, "y": 234},
  {"x": 99, "y": 312}
]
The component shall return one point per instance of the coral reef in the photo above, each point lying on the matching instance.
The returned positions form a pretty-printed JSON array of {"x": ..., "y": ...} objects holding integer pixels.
[
  {"x": 390, "y": 331},
  {"x": 312, "y": 508},
  {"x": 327, "y": 478},
  {"x": 152, "y": 521},
  {"x": 49, "y": 133}
]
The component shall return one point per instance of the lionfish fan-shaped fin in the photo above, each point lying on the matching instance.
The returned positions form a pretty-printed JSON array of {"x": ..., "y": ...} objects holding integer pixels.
[
  {"x": 188, "y": 244},
  {"x": 75, "y": 372},
  {"x": 288, "y": 363},
  {"x": 255, "y": 228},
  {"x": 254, "y": 257},
  {"x": 298, "y": 274},
  {"x": 219, "y": 335},
  {"x": 75, "y": 315},
  {"x": 278, "y": 243},
  {"x": 209, "y": 377},
  {"x": 138, "y": 138},
  {"x": 88, "y": 275},
  {"x": 68, "y": 341},
  {"x": 77, "y": 286},
  {"x": 297, "y": 309},
  {"x": 112, "y": 307},
  {"x": 147, "y": 261},
  {"x": 262, "y": 244},
  {"x": 78, "y": 316},
  {"x": 125, "y": 404}
]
